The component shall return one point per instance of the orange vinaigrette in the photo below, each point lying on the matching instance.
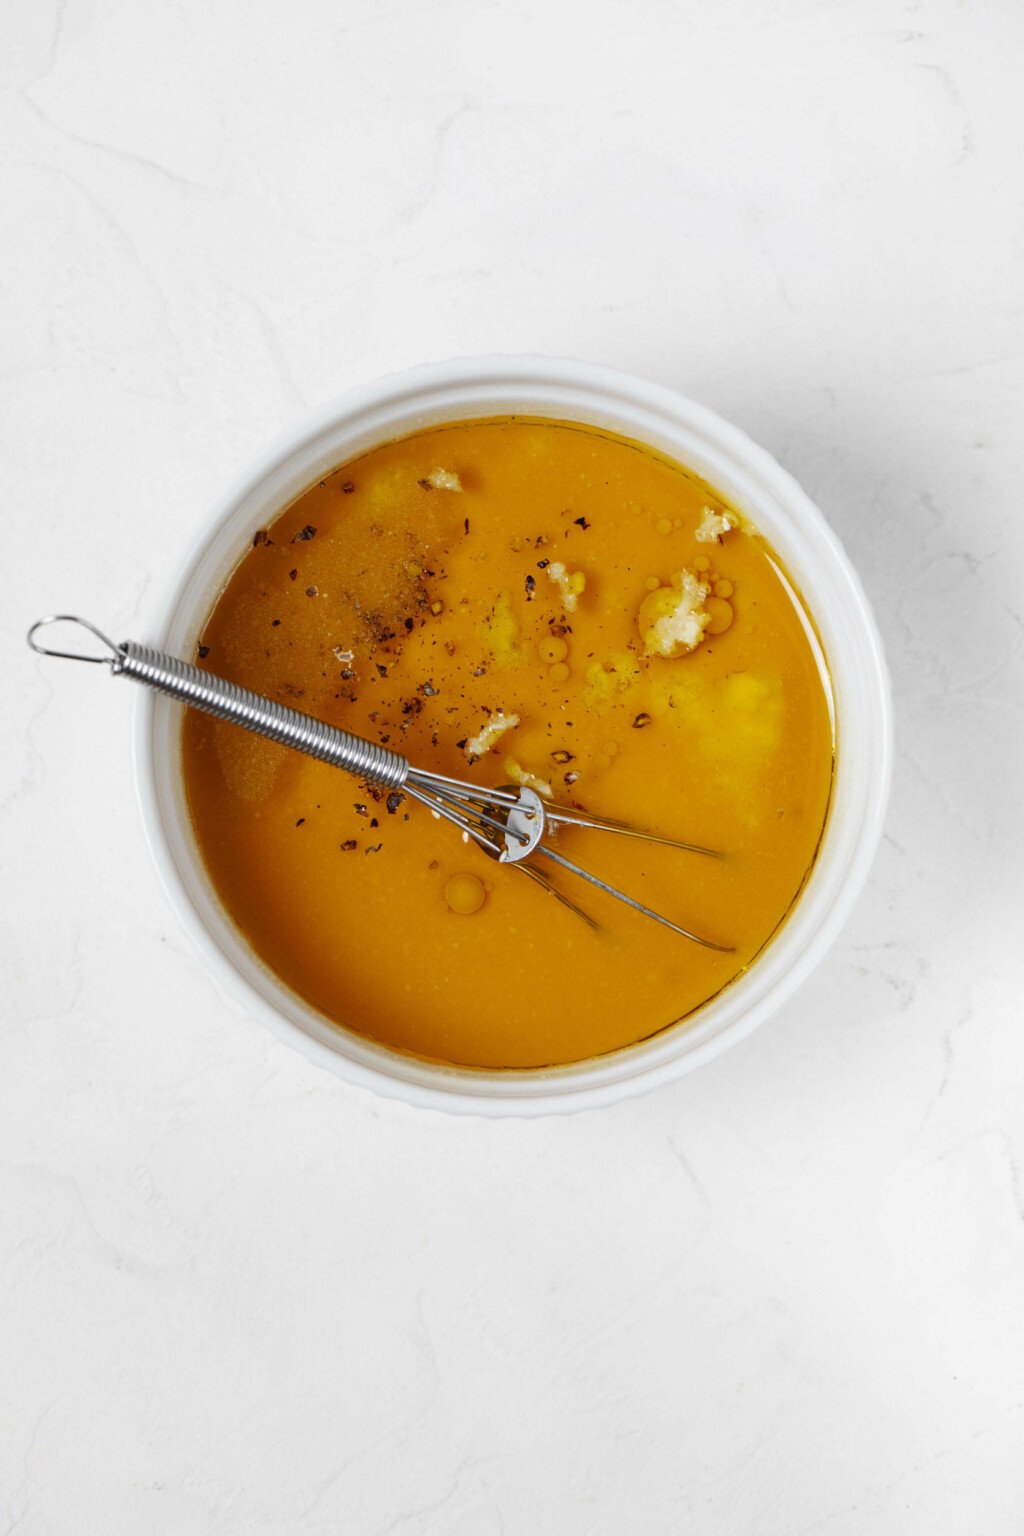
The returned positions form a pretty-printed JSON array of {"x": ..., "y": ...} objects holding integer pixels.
[{"x": 513, "y": 601}]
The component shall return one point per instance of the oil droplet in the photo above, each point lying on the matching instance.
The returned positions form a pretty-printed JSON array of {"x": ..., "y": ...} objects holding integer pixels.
[
  {"x": 664, "y": 525},
  {"x": 702, "y": 563},
  {"x": 721, "y": 615},
  {"x": 559, "y": 672},
  {"x": 723, "y": 588},
  {"x": 465, "y": 894},
  {"x": 602, "y": 761},
  {"x": 554, "y": 648},
  {"x": 652, "y": 583}
]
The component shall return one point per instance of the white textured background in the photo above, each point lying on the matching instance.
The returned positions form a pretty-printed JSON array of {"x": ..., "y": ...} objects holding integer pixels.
[{"x": 785, "y": 1295}]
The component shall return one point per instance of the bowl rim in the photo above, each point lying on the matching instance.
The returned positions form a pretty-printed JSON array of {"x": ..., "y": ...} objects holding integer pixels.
[{"x": 847, "y": 849}]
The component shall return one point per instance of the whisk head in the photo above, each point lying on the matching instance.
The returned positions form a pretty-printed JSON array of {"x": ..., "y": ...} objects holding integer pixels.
[{"x": 509, "y": 823}]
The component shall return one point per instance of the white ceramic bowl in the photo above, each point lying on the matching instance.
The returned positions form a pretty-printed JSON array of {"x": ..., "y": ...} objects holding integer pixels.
[{"x": 747, "y": 477}]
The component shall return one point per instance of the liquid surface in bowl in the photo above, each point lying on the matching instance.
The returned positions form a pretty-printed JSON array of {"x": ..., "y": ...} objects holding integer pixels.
[{"x": 659, "y": 669}]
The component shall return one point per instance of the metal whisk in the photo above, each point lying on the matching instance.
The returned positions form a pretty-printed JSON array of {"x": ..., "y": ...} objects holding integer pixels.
[{"x": 507, "y": 823}]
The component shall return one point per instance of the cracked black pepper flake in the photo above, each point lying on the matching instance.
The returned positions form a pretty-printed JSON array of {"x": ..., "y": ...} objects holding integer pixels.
[
  {"x": 641, "y": 720},
  {"x": 274, "y": 623},
  {"x": 305, "y": 534},
  {"x": 562, "y": 757},
  {"x": 360, "y": 810},
  {"x": 300, "y": 821},
  {"x": 374, "y": 848},
  {"x": 465, "y": 525},
  {"x": 425, "y": 485},
  {"x": 381, "y": 668},
  {"x": 204, "y": 651},
  {"x": 348, "y": 487},
  {"x": 409, "y": 624},
  {"x": 374, "y": 822},
  {"x": 348, "y": 845},
  {"x": 394, "y": 801},
  {"x": 311, "y": 591},
  {"x": 462, "y": 744},
  {"x": 429, "y": 691},
  {"x": 542, "y": 565},
  {"x": 531, "y": 587},
  {"x": 261, "y": 536},
  {"x": 570, "y": 778},
  {"x": 581, "y": 522},
  {"x": 292, "y": 575}
]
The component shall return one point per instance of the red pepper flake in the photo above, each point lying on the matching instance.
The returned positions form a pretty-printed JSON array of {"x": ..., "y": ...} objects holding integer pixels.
[
  {"x": 348, "y": 845},
  {"x": 311, "y": 592},
  {"x": 348, "y": 487},
  {"x": 204, "y": 651},
  {"x": 305, "y": 534}
]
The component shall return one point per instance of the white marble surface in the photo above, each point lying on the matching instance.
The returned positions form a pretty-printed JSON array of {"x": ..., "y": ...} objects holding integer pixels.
[{"x": 785, "y": 1295}]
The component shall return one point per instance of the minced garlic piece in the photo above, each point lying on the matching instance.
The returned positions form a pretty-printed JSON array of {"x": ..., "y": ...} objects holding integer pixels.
[
  {"x": 443, "y": 480},
  {"x": 570, "y": 585},
  {"x": 672, "y": 620},
  {"x": 713, "y": 525},
  {"x": 489, "y": 733},
  {"x": 528, "y": 780}
]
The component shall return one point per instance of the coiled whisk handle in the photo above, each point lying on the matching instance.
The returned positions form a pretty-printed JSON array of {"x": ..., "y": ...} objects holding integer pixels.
[{"x": 228, "y": 701}]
